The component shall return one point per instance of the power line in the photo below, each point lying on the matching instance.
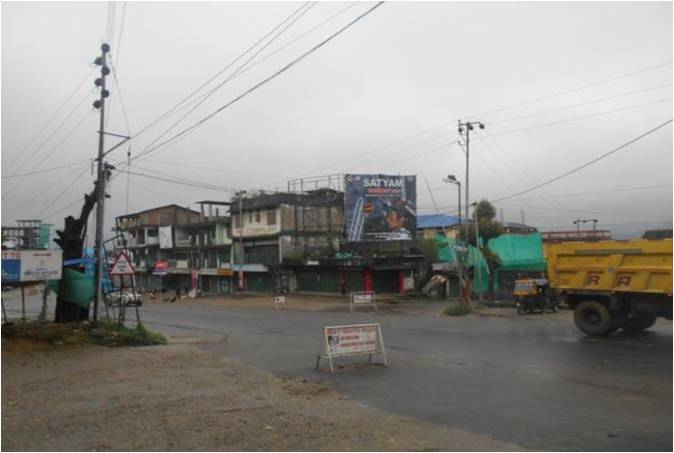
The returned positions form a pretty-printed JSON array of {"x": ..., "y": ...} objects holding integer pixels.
[
  {"x": 585, "y": 165},
  {"x": 51, "y": 118},
  {"x": 33, "y": 153},
  {"x": 219, "y": 73},
  {"x": 579, "y": 88},
  {"x": 228, "y": 78},
  {"x": 263, "y": 82},
  {"x": 48, "y": 170},
  {"x": 214, "y": 169},
  {"x": 615, "y": 190},
  {"x": 593, "y": 101},
  {"x": 578, "y": 118},
  {"x": 60, "y": 194},
  {"x": 49, "y": 153}
]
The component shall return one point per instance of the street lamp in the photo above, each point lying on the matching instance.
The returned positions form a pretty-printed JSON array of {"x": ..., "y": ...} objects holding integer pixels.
[
  {"x": 464, "y": 130},
  {"x": 451, "y": 179}
]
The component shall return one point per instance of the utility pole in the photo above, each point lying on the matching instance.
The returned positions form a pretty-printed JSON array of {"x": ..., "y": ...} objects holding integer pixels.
[
  {"x": 464, "y": 130},
  {"x": 477, "y": 250},
  {"x": 451, "y": 179},
  {"x": 101, "y": 175},
  {"x": 241, "y": 282}
]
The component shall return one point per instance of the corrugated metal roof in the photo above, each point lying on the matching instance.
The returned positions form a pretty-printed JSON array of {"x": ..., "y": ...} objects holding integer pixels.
[{"x": 436, "y": 221}]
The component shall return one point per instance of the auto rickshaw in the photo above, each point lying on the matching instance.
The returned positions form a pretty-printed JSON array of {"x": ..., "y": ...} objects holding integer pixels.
[{"x": 534, "y": 294}]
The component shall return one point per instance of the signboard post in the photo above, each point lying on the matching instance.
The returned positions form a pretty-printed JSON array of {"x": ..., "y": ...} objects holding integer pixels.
[
  {"x": 278, "y": 300},
  {"x": 362, "y": 298},
  {"x": 351, "y": 341}
]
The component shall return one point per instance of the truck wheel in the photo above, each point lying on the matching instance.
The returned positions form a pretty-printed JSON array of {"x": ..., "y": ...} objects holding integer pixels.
[
  {"x": 593, "y": 318},
  {"x": 639, "y": 322}
]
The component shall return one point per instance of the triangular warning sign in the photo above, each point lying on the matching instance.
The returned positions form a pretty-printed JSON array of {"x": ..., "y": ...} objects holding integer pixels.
[{"x": 122, "y": 265}]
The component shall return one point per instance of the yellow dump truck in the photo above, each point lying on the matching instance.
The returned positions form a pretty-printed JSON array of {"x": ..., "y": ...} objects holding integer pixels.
[{"x": 613, "y": 284}]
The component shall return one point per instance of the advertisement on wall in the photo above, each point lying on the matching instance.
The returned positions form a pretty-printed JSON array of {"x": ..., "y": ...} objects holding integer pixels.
[
  {"x": 165, "y": 237},
  {"x": 380, "y": 207}
]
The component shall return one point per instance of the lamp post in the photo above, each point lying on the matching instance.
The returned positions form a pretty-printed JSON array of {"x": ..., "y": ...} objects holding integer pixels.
[
  {"x": 477, "y": 248},
  {"x": 451, "y": 179}
]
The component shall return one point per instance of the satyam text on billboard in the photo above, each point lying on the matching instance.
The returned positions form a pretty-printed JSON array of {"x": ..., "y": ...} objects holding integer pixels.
[{"x": 380, "y": 207}]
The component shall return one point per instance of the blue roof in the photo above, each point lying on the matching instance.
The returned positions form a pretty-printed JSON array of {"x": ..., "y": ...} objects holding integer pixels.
[{"x": 436, "y": 221}]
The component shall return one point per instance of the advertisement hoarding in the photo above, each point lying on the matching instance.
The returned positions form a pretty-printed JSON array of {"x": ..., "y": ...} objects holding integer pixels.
[
  {"x": 380, "y": 207},
  {"x": 31, "y": 265}
]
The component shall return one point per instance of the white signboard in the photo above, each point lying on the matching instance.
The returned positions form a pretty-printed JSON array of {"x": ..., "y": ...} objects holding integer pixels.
[
  {"x": 351, "y": 340},
  {"x": 362, "y": 298},
  {"x": 37, "y": 265},
  {"x": 122, "y": 265},
  {"x": 165, "y": 237}
]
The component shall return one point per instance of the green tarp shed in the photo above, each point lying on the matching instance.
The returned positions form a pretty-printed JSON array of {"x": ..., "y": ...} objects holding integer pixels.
[
  {"x": 447, "y": 253},
  {"x": 519, "y": 252}
]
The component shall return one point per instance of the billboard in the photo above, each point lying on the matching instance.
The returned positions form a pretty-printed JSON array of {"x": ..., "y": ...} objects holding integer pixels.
[
  {"x": 31, "y": 265},
  {"x": 380, "y": 207}
]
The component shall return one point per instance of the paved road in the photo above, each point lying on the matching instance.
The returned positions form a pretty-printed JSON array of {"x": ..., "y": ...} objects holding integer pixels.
[{"x": 534, "y": 380}]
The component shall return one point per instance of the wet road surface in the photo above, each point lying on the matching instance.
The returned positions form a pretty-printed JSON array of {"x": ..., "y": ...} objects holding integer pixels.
[{"x": 533, "y": 380}]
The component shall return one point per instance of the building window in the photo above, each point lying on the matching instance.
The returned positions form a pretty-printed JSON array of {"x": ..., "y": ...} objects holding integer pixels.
[
  {"x": 237, "y": 221},
  {"x": 250, "y": 218},
  {"x": 257, "y": 216},
  {"x": 271, "y": 217}
]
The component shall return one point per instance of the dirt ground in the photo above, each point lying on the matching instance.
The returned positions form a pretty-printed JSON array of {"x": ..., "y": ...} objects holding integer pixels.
[{"x": 176, "y": 398}]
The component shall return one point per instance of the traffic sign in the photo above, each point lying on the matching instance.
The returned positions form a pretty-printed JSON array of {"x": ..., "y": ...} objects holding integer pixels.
[{"x": 122, "y": 265}]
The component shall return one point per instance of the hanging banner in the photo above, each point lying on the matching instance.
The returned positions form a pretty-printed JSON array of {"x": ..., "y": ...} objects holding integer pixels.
[
  {"x": 165, "y": 237},
  {"x": 380, "y": 207}
]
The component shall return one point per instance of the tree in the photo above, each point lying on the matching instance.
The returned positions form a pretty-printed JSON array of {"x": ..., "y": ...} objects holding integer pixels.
[
  {"x": 488, "y": 228},
  {"x": 71, "y": 240}
]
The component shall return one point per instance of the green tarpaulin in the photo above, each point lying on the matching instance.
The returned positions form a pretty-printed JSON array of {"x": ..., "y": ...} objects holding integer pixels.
[
  {"x": 79, "y": 288},
  {"x": 447, "y": 253},
  {"x": 519, "y": 252}
]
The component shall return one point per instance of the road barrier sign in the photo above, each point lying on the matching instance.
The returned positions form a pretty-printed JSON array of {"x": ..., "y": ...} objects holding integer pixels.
[
  {"x": 349, "y": 341},
  {"x": 278, "y": 300},
  {"x": 362, "y": 298}
]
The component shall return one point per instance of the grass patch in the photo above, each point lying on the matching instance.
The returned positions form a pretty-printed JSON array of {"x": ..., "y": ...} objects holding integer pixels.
[
  {"x": 105, "y": 333},
  {"x": 457, "y": 310}
]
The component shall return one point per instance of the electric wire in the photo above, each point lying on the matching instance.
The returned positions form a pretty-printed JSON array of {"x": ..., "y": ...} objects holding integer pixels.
[
  {"x": 572, "y": 90},
  {"x": 9, "y": 166},
  {"x": 569, "y": 107},
  {"x": 585, "y": 165},
  {"x": 40, "y": 162},
  {"x": 218, "y": 74},
  {"x": 229, "y": 78},
  {"x": 261, "y": 83},
  {"x": 31, "y": 156},
  {"x": 47, "y": 170},
  {"x": 578, "y": 118},
  {"x": 60, "y": 194}
]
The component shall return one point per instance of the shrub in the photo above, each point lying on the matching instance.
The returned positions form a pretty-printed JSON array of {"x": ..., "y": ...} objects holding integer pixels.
[{"x": 457, "y": 310}]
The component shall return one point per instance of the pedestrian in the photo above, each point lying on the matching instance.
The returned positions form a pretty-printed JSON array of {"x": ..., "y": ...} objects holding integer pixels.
[{"x": 467, "y": 287}]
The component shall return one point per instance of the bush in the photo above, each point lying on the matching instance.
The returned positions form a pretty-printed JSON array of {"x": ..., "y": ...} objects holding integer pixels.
[
  {"x": 457, "y": 310},
  {"x": 105, "y": 333}
]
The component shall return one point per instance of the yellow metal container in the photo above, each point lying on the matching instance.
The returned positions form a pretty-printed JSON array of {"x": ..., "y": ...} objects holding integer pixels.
[{"x": 636, "y": 266}]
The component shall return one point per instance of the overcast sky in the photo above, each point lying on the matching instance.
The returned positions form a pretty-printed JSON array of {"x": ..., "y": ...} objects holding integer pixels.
[{"x": 382, "y": 97}]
